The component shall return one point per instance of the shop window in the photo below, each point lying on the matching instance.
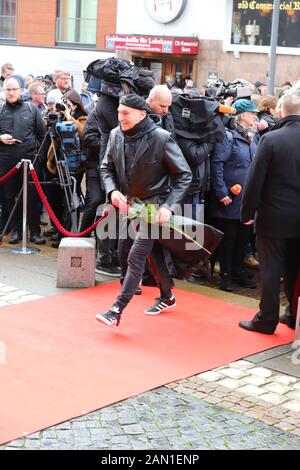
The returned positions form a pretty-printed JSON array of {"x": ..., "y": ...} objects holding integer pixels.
[
  {"x": 8, "y": 9},
  {"x": 252, "y": 21},
  {"x": 76, "y": 21}
]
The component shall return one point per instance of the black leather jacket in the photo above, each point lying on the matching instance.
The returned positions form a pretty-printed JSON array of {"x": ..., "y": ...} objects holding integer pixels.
[{"x": 157, "y": 161}]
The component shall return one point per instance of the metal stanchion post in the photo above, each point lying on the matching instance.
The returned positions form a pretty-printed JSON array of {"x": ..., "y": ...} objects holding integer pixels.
[
  {"x": 297, "y": 326},
  {"x": 24, "y": 249}
]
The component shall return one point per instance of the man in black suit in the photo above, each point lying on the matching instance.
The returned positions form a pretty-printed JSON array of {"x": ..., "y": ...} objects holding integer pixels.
[{"x": 272, "y": 190}]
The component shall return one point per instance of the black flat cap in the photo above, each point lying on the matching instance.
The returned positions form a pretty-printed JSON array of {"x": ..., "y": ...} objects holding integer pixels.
[{"x": 135, "y": 101}]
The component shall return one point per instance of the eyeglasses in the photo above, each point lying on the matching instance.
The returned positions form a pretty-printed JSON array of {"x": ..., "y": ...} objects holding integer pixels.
[{"x": 11, "y": 89}]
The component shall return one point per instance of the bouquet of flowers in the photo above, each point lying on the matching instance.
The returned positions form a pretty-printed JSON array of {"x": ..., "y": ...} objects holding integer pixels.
[{"x": 190, "y": 242}]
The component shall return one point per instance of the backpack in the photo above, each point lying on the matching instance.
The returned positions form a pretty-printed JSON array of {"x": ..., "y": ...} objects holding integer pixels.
[{"x": 69, "y": 143}]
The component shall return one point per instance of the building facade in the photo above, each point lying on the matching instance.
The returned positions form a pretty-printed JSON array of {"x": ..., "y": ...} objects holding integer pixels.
[
  {"x": 228, "y": 39},
  {"x": 37, "y": 36},
  {"x": 234, "y": 37}
]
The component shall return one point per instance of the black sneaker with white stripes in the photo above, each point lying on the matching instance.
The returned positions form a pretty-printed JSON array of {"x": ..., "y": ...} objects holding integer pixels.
[
  {"x": 110, "y": 318},
  {"x": 160, "y": 305}
]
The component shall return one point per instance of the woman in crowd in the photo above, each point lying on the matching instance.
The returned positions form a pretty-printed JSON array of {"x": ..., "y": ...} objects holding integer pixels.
[{"x": 230, "y": 161}]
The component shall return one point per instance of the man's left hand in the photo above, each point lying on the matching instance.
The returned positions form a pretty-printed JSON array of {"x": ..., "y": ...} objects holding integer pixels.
[{"x": 163, "y": 215}]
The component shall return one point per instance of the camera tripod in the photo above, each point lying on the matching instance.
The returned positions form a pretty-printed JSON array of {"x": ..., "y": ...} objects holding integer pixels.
[{"x": 66, "y": 181}]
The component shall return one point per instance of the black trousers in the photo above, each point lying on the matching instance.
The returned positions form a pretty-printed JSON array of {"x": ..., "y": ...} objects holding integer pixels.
[
  {"x": 3, "y": 210},
  {"x": 277, "y": 257},
  {"x": 133, "y": 258},
  {"x": 93, "y": 198},
  {"x": 11, "y": 189},
  {"x": 233, "y": 247}
]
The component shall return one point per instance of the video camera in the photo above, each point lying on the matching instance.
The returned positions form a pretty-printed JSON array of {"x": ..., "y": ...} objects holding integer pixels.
[
  {"x": 236, "y": 90},
  {"x": 55, "y": 116}
]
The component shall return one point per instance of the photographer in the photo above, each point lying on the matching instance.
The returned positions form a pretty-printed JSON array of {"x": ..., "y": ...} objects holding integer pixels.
[{"x": 69, "y": 110}]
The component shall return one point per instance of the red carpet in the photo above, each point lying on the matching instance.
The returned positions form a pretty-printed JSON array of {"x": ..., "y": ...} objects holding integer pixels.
[{"x": 61, "y": 362}]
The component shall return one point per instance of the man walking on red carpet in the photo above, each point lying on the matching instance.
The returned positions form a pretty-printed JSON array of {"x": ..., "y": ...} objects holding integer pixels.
[{"x": 140, "y": 160}]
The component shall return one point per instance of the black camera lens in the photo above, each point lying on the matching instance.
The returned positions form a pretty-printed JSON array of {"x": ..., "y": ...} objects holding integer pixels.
[{"x": 60, "y": 107}]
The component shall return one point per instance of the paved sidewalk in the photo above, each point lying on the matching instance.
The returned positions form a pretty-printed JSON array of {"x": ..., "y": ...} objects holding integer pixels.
[{"x": 248, "y": 404}]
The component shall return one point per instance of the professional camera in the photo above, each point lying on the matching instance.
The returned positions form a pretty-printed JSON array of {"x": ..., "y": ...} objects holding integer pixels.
[
  {"x": 236, "y": 90},
  {"x": 55, "y": 116},
  {"x": 60, "y": 107}
]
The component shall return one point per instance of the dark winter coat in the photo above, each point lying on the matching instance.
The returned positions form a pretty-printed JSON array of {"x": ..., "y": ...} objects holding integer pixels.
[
  {"x": 230, "y": 162},
  {"x": 107, "y": 115},
  {"x": 196, "y": 155},
  {"x": 273, "y": 183},
  {"x": 91, "y": 138},
  {"x": 24, "y": 122},
  {"x": 167, "y": 123}
]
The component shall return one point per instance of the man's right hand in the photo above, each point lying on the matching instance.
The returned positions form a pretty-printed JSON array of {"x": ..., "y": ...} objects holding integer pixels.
[
  {"x": 7, "y": 139},
  {"x": 118, "y": 200}
]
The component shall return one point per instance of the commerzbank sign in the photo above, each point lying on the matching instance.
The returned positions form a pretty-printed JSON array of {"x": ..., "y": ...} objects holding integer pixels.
[{"x": 263, "y": 6}]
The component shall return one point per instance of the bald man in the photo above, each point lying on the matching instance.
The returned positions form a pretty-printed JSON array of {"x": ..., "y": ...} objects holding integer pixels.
[{"x": 159, "y": 100}]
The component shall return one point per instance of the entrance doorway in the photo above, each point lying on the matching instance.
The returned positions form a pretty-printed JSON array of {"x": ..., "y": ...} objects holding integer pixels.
[{"x": 166, "y": 69}]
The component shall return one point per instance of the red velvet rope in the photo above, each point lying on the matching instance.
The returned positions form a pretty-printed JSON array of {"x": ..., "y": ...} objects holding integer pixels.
[
  {"x": 9, "y": 174},
  {"x": 53, "y": 217}
]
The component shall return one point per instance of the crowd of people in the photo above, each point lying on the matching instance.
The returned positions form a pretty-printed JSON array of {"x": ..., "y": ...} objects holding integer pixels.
[{"x": 254, "y": 170}]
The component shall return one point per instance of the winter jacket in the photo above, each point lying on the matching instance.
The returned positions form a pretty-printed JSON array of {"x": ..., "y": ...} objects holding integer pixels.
[
  {"x": 24, "y": 122},
  {"x": 272, "y": 187},
  {"x": 107, "y": 115},
  {"x": 230, "y": 162},
  {"x": 196, "y": 155},
  {"x": 91, "y": 138}
]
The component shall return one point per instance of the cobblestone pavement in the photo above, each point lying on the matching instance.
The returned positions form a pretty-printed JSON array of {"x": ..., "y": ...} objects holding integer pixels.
[
  {"x": 10, "y": 295},
  {"x": 162, "y": 419},
  {"x": 256, "y": 392},
  {"x": 238, "y": 406}
]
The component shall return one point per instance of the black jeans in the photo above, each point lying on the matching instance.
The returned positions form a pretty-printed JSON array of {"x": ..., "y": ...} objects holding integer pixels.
[
  {"x": 233, "y": 247},
  {"x": 277, "y": 257},
  {"x": 133, "y": 258}
]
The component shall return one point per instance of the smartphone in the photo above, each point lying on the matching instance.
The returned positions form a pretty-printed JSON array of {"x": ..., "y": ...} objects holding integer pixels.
[{"x": 18, "y": 141}]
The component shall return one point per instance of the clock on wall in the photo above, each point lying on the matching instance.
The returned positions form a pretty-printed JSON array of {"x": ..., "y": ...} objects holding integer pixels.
[{"x": 164, "y": 11}]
